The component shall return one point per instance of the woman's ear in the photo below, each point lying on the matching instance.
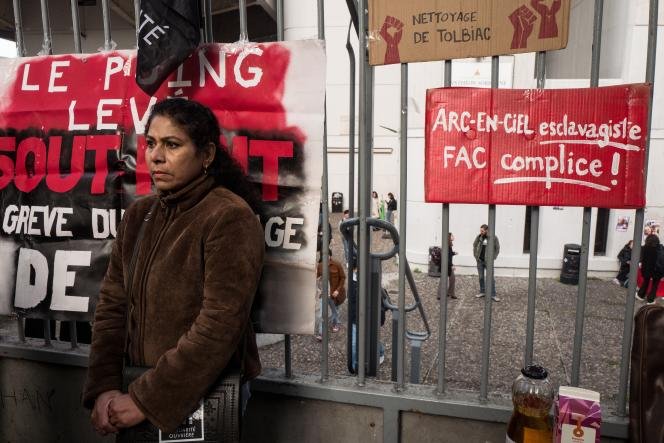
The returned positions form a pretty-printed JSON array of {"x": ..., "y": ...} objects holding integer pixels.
[{"x": 209, "y": 153}]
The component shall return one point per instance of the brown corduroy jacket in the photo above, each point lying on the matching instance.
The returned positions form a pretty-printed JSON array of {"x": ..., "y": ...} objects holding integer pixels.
[{"x": 197, "y": 270}]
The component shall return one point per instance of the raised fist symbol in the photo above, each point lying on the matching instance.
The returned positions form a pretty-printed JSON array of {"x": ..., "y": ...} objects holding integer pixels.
[
  {"x": 548, "y": 24},
  {"x": 522, "y": 20},
  {"x": 391, "y": 32}
]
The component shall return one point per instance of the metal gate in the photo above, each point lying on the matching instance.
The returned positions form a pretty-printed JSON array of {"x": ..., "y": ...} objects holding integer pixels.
[{"x": 399, "y": 396}]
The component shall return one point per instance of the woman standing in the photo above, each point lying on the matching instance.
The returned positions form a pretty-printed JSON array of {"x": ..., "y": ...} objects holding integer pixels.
[
  {"x": 391, "y": 207},
  {"x": 651, "y": 275},
  {"x": 184, "y": 313}
]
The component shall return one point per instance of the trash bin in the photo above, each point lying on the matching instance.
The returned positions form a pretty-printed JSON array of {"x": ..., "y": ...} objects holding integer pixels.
[
  {"x": 337, "y": 202},
  {"x": 569, "y": 274},
  {"x": 434, "y": 261}
]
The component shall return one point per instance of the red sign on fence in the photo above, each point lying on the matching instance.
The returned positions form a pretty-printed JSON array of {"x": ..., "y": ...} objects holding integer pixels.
[{"x": 556, "y": 147}]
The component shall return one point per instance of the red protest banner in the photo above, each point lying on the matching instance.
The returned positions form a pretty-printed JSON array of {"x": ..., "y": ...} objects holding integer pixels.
[
  {"x": 72, "y": 158},
  {"x": 563, "y": 147}
]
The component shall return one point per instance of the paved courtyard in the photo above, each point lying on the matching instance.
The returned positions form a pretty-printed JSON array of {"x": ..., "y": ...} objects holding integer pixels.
[{"x": 553, "y": 344}]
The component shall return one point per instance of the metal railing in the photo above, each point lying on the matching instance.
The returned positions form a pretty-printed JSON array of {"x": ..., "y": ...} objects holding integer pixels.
[{"x": 414, "y": 397}]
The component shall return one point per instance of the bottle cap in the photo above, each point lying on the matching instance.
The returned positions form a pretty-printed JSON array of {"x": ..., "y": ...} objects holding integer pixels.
[{"x": 535, "y": 371}]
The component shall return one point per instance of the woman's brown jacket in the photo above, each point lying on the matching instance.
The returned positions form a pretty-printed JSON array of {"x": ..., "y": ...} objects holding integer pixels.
[{"x": 197, "y": 270}]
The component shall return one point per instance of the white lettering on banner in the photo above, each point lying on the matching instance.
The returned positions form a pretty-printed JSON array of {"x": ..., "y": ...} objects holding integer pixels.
[
  {"x": 139, "y": 124},
  {"x": 462, "y": 156},
  {"x": 205, "y": 66},
  {"x": 565, "y": 164},
  {"x": 113, "y": 66},
  {"x": 63, "y": 278},
  {"x": 257, "y": 72},
  {"x": 29, "y": 294},
  {"x": 24, "y": 84},
  {"x": 101, "y": 113},
  {"x": 75, "y": 126},
  {"x": 283, "y": 236},
  {"x": 589, "y": 133},
  {"x": 289, "y": 232},
  {"x": 56, "y": 74},
  {"x": 22, "y": 220},
  {"x": 104, "y": 224}
]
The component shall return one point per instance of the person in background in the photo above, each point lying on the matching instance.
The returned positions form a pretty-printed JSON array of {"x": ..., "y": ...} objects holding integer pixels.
[
  {"x": 337, "y": 292},
  {"x": 625, "y": 259},
  {"x": 651, "y": 275},
  {"x": 375, "y": 204},
  {"x": 375, "y": 207},
  {"x": 479, "y": 251},
  {"x": 391, "y": 207},
  {"x": 346, "y": 216},
  {"x": 451, "y": 278}
]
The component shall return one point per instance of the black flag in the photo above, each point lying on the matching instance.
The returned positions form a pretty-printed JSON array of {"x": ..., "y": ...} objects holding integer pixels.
[{"x": 168, "y": 33}]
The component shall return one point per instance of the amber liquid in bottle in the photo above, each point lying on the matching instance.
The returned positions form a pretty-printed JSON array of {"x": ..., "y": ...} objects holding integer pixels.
[{"x": 530, "y": 421}]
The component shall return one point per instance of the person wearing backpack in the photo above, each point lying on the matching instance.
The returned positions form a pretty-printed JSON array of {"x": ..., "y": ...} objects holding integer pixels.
[{"x": 652, "y": 268}]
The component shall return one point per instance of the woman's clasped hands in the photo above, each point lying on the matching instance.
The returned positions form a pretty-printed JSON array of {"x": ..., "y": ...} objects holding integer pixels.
[{"x": 113, "y": 411}]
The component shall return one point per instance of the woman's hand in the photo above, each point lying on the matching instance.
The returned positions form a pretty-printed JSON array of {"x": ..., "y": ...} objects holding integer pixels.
[
  {"x": 99, "y": 415},
  {"x": 335, "y": 294},
  {"x": 123, "y": 412}
]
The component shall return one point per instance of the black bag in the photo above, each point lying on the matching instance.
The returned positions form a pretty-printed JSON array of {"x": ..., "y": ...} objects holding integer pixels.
[
  {"x": 217, "y": 420},
  {"x": 646, "y": 393}
]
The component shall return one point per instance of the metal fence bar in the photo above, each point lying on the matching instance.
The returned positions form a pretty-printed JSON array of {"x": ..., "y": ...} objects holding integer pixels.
[
  {"x": 20, "y": 323},
  {"x": 364, "y": 181},
  {"x": 403, "y": 190},
  {"x": 106, "y": 16},
  {"x": 651, "y": 58},
  {"x": 288, "y": 347},
  {"x": 587, "y": 214},
  {"x": 76, "y": 27},
  {"x": 445, "y": 228},
  {"x": 280, "y": 20},
  {"x": 325, "y": 252},
  {"x": 18, "y": 25},
  {"x": 47, "y": 44},
  {"x": 351, "y": 131},
  {"x": 47, "y": 332},
  {"x": 489, "y": 284},
  {"x": 243, "y": 20},
  {"x": 207, "y": 14},
  {"x": 534, "y": 240},
  {"x": 137, "y": 17},
  {"x": 73, "y": 335}
]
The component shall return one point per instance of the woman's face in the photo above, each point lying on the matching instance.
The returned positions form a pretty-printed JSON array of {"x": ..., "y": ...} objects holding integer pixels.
[
  {"x": 374, "y": 194},
  {"x": 172, "y": 158}
]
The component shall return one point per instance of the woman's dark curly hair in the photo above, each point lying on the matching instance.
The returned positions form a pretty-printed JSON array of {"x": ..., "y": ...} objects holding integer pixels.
[{"x": 202, "y": 127}]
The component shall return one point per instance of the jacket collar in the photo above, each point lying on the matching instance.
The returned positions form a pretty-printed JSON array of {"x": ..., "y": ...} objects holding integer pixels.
[{"x": 188, "y": 196}]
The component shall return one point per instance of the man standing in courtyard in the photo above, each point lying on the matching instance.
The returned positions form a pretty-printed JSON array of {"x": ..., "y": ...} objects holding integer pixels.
[{"x": 481, "y": 250}]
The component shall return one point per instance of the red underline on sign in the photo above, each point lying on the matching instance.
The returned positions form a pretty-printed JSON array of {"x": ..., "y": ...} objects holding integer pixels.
[
  {"x": 549, "y": 180},
  {"x": 600, "y": 143}
]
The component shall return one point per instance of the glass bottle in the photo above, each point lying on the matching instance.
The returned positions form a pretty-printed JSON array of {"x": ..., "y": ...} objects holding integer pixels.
[{"x": 532, "y": 395}]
